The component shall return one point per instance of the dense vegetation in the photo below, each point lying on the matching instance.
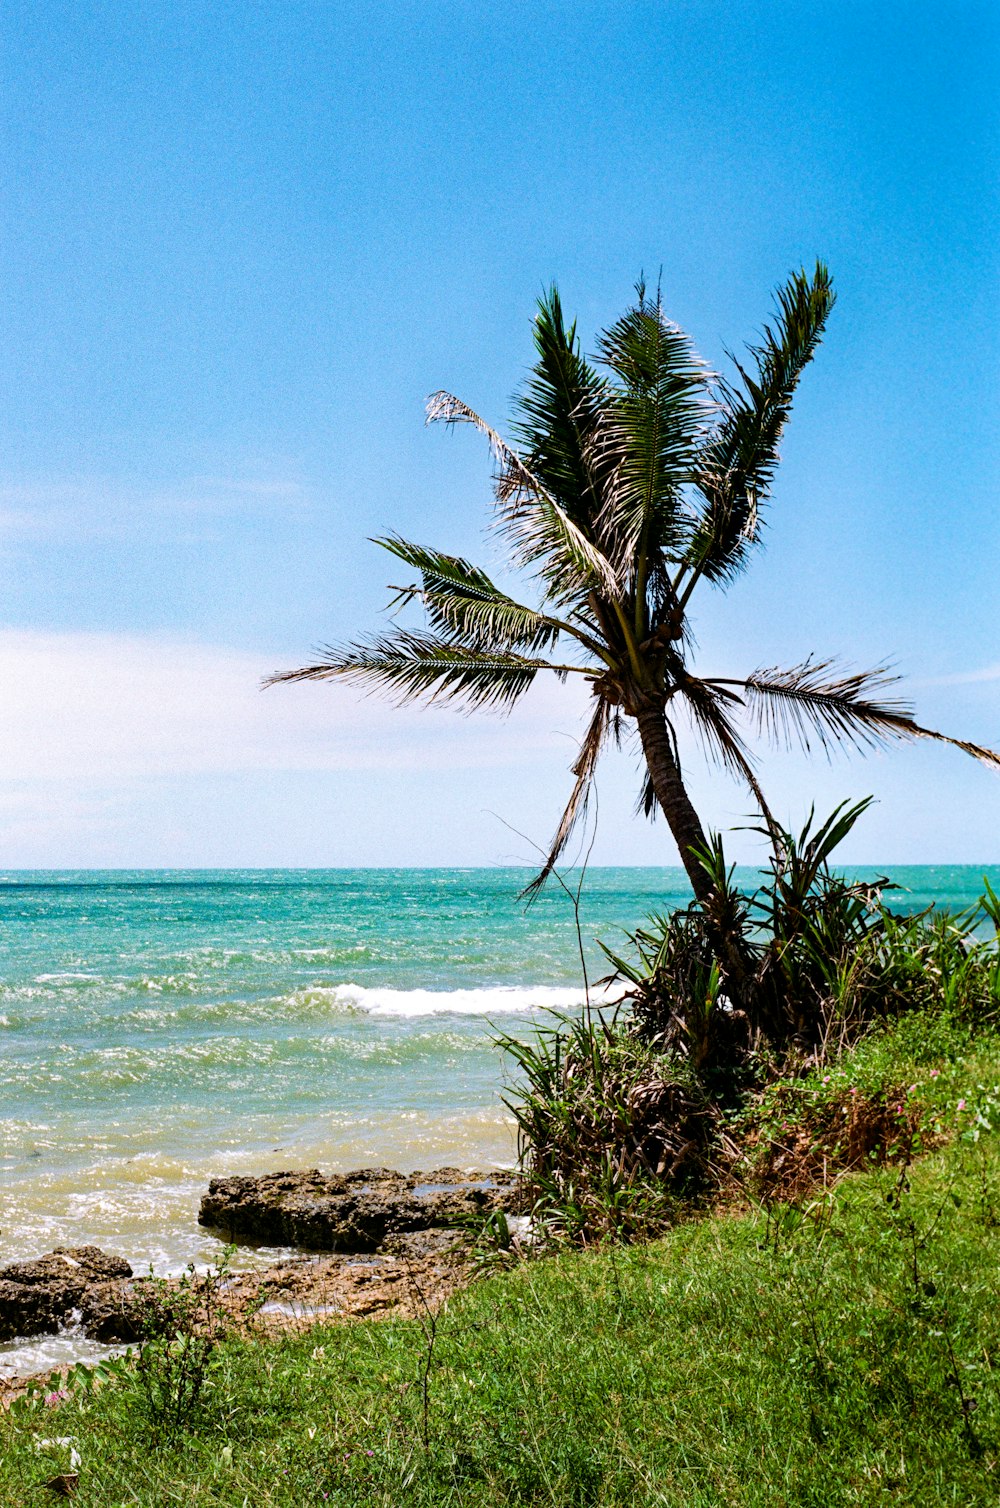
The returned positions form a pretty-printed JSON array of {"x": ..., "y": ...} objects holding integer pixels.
[{"x": 626, "y": 1121}]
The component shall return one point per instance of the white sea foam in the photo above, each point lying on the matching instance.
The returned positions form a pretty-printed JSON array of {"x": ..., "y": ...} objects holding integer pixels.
[
  {"x": 43, "y": 1353},
  {"x": 496, "y": 1000}
]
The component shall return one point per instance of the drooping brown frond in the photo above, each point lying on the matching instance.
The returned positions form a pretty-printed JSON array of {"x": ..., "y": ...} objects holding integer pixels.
[
  {"x": 706, "y": 704},
  {"x": 583, "y": 768},
  {"x": 818, "y": 700}
]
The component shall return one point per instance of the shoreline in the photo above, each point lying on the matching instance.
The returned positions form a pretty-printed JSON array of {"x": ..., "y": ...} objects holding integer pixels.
[
  {"x": 296, "y": 1293},
  {"x": 359, "y": 1243}
]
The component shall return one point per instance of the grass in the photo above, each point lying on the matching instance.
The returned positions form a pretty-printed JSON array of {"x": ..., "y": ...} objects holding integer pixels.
[{"x": 840, "y": 1350}]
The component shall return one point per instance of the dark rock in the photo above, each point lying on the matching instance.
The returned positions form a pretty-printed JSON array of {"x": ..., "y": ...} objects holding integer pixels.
[
  {"x": 30, "y": 1309},
  {"x": 348, "y": 1212},
  {"x": 40, "y": 1296},
  {"x": 77, "y": 1264},
  {"x": 113, "y": 1312}
]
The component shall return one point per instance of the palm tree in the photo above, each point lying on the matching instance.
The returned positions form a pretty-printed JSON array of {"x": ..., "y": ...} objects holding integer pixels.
[{"x": 630, "y": 481}]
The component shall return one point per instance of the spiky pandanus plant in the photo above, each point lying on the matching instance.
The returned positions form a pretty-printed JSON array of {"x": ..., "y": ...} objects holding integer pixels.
[{"x": 630, "y": 481}]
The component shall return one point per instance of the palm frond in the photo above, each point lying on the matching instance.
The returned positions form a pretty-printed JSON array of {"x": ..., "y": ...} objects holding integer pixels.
[
  {"x": 740, "y": 458},
  {"x": 583, "y": 768},
  {"x": 650, "y": 446},
  {"x": 819, "y": 701},
  {"x": 545, "y": 538},
  {"x": 706, "y": 704},
  {"x": 444, "y": 408},
  {"x": 558, "y": 409},
  {"x": 420, "y": 666},
  {"x": 647, "y": 804},
  {"x": 546, "y": 542},
  {"x": 461, "y": 599}
]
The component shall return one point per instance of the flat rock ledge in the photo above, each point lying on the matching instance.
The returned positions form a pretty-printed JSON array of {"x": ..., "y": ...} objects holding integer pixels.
[
  {"x": 389, "y": 1241},
  {"x": 358, "y": 1212},
  {"x": 79, "y": 1283}
]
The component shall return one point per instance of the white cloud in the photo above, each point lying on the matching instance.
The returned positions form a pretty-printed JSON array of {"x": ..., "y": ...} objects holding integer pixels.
[
  {"x": 965, "y": 677},
  {"x": 131, "y": 750},
  {"x": 103, "y": 707},
  {"x": 98, "y": 507}
]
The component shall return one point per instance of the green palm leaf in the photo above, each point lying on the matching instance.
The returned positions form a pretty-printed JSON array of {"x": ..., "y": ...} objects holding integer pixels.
[
  {"x": 558, "y": 413},
  {"x": 739, "y": 461},
  {"x": 419, "y": 666},
  {"x": 652, "y": 436},
  {"x": 461, "y": 599}
]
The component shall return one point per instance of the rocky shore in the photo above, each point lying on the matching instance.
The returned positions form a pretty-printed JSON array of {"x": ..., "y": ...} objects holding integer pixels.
[
  {"x": 349, "y": 1212},
  {"x": 80, "y": 1283},
  {"x": 382, "y": 1242}
]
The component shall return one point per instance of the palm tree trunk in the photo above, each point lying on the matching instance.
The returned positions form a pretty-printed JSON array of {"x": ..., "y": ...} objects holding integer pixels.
[
  {"x": 668, "y": 783},
  {"x": 728, "y": 946}
]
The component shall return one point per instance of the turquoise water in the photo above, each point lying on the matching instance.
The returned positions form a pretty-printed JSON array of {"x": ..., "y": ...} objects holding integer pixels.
[{"x": 157, "y": 1028}]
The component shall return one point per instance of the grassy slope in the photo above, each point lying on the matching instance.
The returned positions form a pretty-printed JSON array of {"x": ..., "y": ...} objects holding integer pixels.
[{"x": 840, "y": 1354}]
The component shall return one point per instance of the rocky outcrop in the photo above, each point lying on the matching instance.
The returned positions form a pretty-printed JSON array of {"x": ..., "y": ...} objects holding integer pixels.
[
  {"x": 401, "y": 1223},
  {"x": 41, "y": 1296},
  {"x": 350, "y": 1212},
  {"x": 114, "y": 1312}
]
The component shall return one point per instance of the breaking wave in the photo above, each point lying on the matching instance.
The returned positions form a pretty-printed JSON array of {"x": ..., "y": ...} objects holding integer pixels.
[{"x": 496, "y": 1000}]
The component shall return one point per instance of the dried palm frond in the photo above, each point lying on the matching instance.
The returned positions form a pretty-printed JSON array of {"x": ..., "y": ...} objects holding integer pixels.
[
  {"x": 819, "y": 700},
  {"x": 544, "y": 537},
  {"x": 583, "y": 768}
]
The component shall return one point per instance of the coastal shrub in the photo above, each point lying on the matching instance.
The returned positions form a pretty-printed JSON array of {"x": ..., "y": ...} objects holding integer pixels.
[
  {"x": 611, "y": 1131},
  {"x": 799, "y": 1139},
  {"x": 708, "y": 1075},
  {"x": 182, "y": 1322},
  {"x": 618, "y": 1140},
  {"x": 803, "y": 966},
  {"x": 821, "y": 959}
]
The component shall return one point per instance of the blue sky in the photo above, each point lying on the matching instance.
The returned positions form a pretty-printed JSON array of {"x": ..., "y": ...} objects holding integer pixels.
[{"x": 242, "y": 242}]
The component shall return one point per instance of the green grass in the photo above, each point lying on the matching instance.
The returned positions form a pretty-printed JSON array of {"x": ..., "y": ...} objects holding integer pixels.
[{"x": 840, "y": 1352}]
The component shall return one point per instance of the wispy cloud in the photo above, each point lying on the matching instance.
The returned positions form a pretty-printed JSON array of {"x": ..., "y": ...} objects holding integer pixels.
[
  {"x": 97, "y": 507},
  {"x": 961, "y": 677},
  {"x": 90, "y": 706},
  {"x": 147, "y": 749}
]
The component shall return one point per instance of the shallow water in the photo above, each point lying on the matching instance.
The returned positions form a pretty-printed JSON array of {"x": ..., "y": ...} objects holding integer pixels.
[{"x": 160, "y": 1028}]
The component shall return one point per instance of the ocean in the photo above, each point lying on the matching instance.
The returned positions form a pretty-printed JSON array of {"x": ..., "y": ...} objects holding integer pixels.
[{"x": 159, "y": 1028}]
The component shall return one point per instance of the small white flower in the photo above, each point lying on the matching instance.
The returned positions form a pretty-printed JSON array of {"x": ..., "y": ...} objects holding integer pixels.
[{"x": 63, "y": 1442}]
